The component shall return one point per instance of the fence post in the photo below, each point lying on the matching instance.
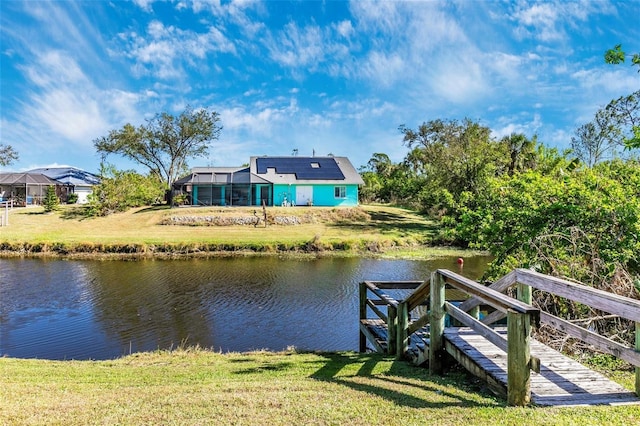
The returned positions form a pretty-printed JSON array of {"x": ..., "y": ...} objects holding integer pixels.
[
  {"x": 518, "y": 358},
  {"x": 402, "y": 339},
  {"x": 436, "y": 332},
  {"x": 638, "y": 349},
  {"x": 524, "y": 293},
  {"x": 392, "y": 329},
  {"x": 363, "y": 315}
]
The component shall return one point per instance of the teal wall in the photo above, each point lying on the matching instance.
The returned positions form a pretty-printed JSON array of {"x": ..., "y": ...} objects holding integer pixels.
[
  {"x": 323, "y": 195},
  {"x": 280, "y": 192}
]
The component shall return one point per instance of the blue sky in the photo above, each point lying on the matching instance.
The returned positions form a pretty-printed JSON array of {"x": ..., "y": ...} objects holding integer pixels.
[{"x": 330, "y": 77}]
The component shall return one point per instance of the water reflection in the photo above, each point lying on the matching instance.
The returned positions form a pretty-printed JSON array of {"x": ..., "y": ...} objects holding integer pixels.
[{"x": 90, "y": 309}]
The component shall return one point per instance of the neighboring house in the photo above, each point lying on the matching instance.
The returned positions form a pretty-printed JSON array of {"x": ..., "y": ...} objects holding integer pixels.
[
  {"x": 77, "y": 181},
  {"x": 27, "y": 188},
  {"x": 274, "y": 181}
]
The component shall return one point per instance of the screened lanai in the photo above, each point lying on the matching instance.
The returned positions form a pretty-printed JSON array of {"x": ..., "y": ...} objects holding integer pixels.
[
  {"x": 27, "y": 188},
  {"x": 223, "y": 186}
]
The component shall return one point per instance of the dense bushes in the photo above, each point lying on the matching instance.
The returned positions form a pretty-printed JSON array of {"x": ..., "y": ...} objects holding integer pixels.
[
  {"x": 120, "y": 190},
  {"x": 535, "y": 220}
]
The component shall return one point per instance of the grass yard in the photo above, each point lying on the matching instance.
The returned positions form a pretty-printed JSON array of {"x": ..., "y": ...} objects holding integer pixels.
[
  {"x": 368, "y": 229},
  {"x": 201, "y": 387}
]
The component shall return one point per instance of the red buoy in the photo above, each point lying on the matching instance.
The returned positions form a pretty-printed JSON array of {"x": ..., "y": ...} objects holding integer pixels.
[{"x": 460, "y": 261}]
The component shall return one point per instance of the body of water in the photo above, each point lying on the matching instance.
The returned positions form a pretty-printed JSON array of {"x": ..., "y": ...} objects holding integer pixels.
[{"x": 56, "y": 309}]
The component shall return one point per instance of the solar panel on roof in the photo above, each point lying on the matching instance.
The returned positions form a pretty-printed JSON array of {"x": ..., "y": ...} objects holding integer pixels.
[{"x": 305, "y": 168}]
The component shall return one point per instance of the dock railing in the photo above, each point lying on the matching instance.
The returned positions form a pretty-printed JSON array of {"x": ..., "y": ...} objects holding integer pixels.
[
  {"x": 621, "y": 306},
  {"x": 520, "y": 318},
  {"x": 385, "y": 307},
  {"x": 445, "y": 287}
]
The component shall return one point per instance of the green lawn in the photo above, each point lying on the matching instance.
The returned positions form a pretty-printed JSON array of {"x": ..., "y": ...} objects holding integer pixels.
[
  {"x": 202, "y": 387},
  {"x": 371, "y": 230}
]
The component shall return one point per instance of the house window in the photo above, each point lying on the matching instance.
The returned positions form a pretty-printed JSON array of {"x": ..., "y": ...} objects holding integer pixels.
[
  {"x": 340, "y": 192},
  {"x": 315, "y": 165}
]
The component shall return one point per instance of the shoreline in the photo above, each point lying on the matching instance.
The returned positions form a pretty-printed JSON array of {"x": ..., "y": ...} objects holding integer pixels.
[{"x": 135, "y": 252}]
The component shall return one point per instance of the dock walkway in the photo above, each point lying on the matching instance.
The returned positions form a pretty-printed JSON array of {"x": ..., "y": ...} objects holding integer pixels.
[{"x": 547, "y": 377}]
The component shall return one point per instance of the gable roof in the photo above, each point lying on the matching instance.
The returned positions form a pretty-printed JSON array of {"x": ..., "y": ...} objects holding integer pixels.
[
  {"x": 287, "y": 170},
  {"x": 69, "y": 175},
  {"x": 219, "y": 175},
  {"x": 26, "y": 178},
  {"x": 278, "y": 170}
]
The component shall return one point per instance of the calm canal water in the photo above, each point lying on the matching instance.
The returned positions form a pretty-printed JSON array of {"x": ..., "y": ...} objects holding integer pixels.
[{"x": 57, "y": 309}]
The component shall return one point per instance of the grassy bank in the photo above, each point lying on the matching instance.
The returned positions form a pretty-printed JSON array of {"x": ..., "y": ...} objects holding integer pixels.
[
  {"x": 202, "y": 387},
  {"x": 160, "y": 231}
]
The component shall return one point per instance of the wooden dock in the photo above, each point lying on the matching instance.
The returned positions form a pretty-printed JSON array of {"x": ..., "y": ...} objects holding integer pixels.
[
  {"x": 533, "y": 373},
  {"x": 562, "y": 381}
]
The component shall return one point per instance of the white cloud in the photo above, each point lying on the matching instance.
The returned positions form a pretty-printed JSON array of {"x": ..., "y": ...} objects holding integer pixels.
[
  {"x": 526, "y": 124},
  {"x": 549, "y": 21},
  {"x": 258, "y": 121},
  {"x": 344, "y": 29},
  {"x": 385, "y": 68},
  {"x": 459, "y": 80},
  {"x": 166, "y": 50},
  {"x": 296, "y": 47},
  {"x": 144, "y": 4}
]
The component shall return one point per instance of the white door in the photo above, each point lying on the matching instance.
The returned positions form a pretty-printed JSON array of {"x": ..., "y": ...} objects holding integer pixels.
[{"x": 304, "y": 195}]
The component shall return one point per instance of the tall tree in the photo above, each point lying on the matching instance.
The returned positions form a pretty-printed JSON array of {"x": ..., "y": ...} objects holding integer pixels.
[
  {"x": 7, "y": 155},
  {"x": 380, "y": 164},
  {"x": 458, "y": 155},
  {"x": 626, "y": 112},
  {"x": 597, "y": 140},
  {"x": 626, "y": 108},
  {"x": 520, "y": 150},
  {"x": 165, "y": 143}
]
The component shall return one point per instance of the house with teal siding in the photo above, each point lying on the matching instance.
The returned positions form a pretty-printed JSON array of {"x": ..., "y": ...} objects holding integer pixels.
[{"x": 274, "y": 181}]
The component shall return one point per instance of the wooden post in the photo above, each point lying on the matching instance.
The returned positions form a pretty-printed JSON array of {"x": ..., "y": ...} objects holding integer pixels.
[
  {"x": 436, "y": 332},
  {"x": 363, "y": 315},
  {"x": 518, "y": 358},
  {"x": 524, "y": 293},
  {"x": 638, "y": 349},
  {"x": 392, "y": 329},
  {"x": 401, "y": 334},
  {"x": 475, "y": 312}
]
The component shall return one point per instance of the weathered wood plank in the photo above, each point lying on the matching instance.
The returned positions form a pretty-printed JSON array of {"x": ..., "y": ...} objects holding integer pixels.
[
  {"x": 436, "y": 322},
  {"x": 487, "y": 295},
  {"x": 397, "y": 285},
  {"x": 418, "y": 296},
  {"x": 494, "y": 316},
  {"x": 500, "y": 285},
  {"x": 519, "y": 358},
  {"x": 376, "y": 310},
  {"x": 470, "y": 363},
  {"x": 362, "y": 299},
  {"x": 376, "y": 334},
  {"x": 599, "y": 299},
  {"x": 601, "y": 343},
  {"x": 402, "y": 337},
  {"x": 483, "y": 330},
  {"x": 418, "y": 324},
  {"x": 638, "y": 349},
  {"x": 381, "y": 294},
  {"x": 561, "y": 381}
]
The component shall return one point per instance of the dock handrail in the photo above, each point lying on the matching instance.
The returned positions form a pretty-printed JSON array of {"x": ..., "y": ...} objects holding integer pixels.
[
  {"x": 621, "y": 306},
  {"x": 382, "y": 299},
  {"x": 521, "y": 317}
]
